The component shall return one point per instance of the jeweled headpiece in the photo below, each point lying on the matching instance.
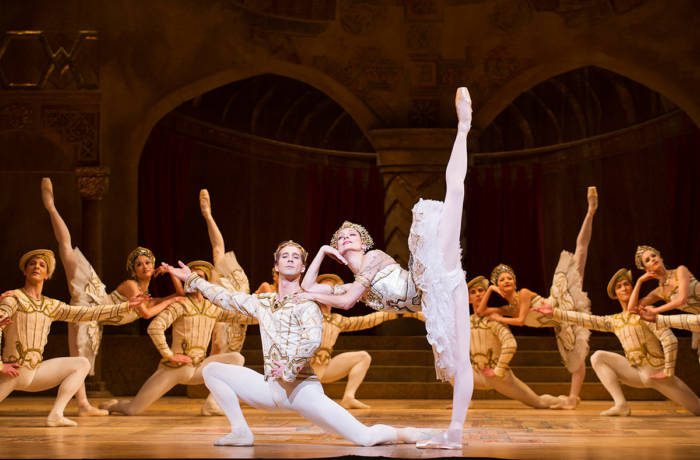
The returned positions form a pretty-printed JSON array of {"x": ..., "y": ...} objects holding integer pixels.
[
  {"x": 204, "y": 266},
  {"x": 478, "y": 281},
  {"x": 367, "y": 240},
  {"x": 499, "y": 270},
  {"x": 133, "y": 255},
  {"x": 283, "y": 244},
  {"x": 621, "y": 274},
  {"x": 46, "y": 255},
  {"x": 640, "y": 252}
]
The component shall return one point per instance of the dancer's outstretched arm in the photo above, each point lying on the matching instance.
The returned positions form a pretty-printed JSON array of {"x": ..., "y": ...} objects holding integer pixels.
[
  {"x": 60, "y": 229},
  {"x": 483, "y": 309},
  {"x": 681, "y": 299},
  {"x": 309, "y": 283},
  {"x": 634, "y": 304}
]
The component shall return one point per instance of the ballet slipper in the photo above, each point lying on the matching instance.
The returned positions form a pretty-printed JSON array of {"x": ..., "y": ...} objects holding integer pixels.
[
  {"x": 550, "y": 400},
  {"x": 109, "y": 404},
  {"x": 463, "y": 104},
  {"x": 566, "y": 403},
  {"x": 617, "y": 411},
  {"x": 412, "y": 435},
  {"x": 210, "y": 408},
  {"x": 47, "y": 192},
  {"x": 91, "y": 411},
  {"x": 440, "y": 441},
  {"x": 352, "y": 403},
  {"x": 239, "y": 437},
  {"x": 59, "y": 420},
  {"x": 592, "y": 199}
]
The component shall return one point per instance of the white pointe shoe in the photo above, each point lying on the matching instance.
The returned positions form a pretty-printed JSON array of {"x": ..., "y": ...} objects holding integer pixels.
[
  {"x": 441, "y": 441},
  {"x": 239, "y": 438},
  {"x": 617, "y": 411},
  {"x": 59, "y": 421},
  {"x": 463, "y": 103}
]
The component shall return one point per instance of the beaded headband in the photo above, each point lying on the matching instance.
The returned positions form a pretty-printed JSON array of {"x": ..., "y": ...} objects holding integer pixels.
[
  {"x": 135, "y": 254},
  {"x": 367, "y": 240},
  {"x": 499, "y": 270},
  {"x": 640, "y": 252}
]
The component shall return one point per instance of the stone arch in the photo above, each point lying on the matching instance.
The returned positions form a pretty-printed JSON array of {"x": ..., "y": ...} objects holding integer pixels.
[
  {"x": 365, "y": 118},
  {"x": 650, "y": 77}
]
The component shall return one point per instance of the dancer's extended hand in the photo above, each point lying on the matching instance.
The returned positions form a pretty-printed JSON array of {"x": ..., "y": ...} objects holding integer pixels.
[
  {"x": 496, "y": 317},
  {"x": 181, "y": 273},
  {"x": 648, "y": 313},
  {"x": 10, "y": 369},
  {"x": 333, "y": 253},
  {"x": 6, "y": 294},
  {"x": 180, "y": 359},
  {"x": 645, "y": 277},
  {"x": 136, "y": 302},
  {"x": 6, "y": 321},
  {"x": 303, "y": 295},
  {"x": 546, "y": 309},
  {"x": 159, "y": 271}
]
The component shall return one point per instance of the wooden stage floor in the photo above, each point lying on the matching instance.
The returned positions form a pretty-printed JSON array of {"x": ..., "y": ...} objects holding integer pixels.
[{"x": 173, "y": 428}]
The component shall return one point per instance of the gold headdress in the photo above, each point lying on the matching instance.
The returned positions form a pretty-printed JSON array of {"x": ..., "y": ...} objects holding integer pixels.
[
  {"x": 206, "y": 267},
  {"x": 621, "y": 274},
  {"x": 45, "y": 254},
  {"x": 499, "y": 270},
  {"x": 478, "y": 281},
  {"x": 640, "y": 252},
  {"x": 304, "y": 254},
  {"x": 133, "y": 255},
  {"x": 367, "y": 240}
]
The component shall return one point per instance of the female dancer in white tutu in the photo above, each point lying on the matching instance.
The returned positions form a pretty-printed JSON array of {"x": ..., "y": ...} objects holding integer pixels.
[
  {"x": 87, "y": 289},
  {"x": 434, "y": 283}
]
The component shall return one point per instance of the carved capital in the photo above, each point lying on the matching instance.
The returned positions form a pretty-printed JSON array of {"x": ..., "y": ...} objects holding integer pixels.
[
  {"x": 15, "y": 116},
  {"x": 93, "y": 181}
]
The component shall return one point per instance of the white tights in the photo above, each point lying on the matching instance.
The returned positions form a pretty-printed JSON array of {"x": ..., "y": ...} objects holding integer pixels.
[
  {"x": 231, "y": 384},
  {"x": 165, "y": 378},
  {"x": 68, "y": 373},
  {"x": 613, "y": 369}
]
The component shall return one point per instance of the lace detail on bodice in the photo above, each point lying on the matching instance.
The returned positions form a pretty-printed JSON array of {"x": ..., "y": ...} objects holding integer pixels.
[{"x": 392, "y": 288}]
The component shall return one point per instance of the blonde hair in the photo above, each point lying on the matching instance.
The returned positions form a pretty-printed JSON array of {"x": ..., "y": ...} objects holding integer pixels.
[{"x": 284, "y": 244}]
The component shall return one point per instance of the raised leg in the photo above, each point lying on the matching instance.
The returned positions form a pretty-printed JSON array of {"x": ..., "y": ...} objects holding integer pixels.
[
  {"x": 354, "y": 365},
  {"x": 584, "y": 234},
  {"x": 68, "y": 374}
]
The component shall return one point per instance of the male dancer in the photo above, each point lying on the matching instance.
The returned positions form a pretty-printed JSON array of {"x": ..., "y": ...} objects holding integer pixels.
[
  {"x": 192, "y": 321},
  {"x": 31, "y": 313},
  {"x": 290, "y": 330},
  {"x": 650, "y": 351},
  {"x": 352, "y": 364}
]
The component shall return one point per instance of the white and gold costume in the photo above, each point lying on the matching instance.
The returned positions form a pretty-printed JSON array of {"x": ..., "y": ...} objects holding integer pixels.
[
  {"x": 493, "y": 346},
  {"x": 649, "y": 348},
  {"x": 24, "y": 341},
  {"x": 290, "y": 331},
  {"x": 691, "y": 306},
  {"x": 192, "y": 323},
  {"x": 87, "y": 289}
]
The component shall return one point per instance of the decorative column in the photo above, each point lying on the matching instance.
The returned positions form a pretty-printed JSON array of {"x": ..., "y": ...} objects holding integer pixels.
[
  {"x": 93, "y": 183},
  {"x": 412, "y": 163}
]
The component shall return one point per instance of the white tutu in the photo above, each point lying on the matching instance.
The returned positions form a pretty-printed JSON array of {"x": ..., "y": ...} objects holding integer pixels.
[
  {"x": 87, "y": 289},
  {"x": 567, "y": 293},
  {"x": 437, "y": 286},
  {"x": 231, "y": 275}
]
